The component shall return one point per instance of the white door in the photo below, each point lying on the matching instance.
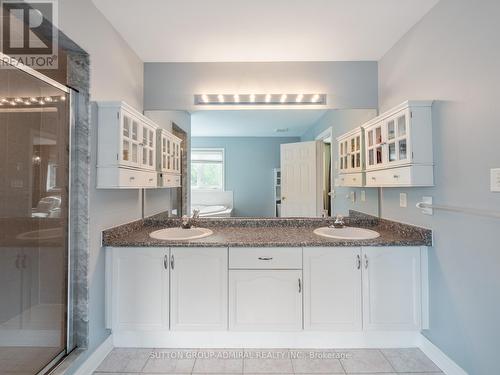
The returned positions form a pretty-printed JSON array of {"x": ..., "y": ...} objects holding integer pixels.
[
  {"x": 391, "y": 288},
  {"x": 265, "y": 300},
  {"x": 301, "y": 179},
  {"x": 332, "y": 289},
  {"x": 140, "y": 288},
  {"x": 198, "y": 288}
]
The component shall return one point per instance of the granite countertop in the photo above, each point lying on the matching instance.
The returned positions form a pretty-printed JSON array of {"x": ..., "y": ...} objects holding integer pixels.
[{"x": 267, "y": 232}]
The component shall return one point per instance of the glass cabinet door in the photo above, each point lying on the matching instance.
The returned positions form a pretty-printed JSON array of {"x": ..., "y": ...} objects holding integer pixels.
[
  {"x": 397, "y": 129},
  {"x": 375, "y": 143}
]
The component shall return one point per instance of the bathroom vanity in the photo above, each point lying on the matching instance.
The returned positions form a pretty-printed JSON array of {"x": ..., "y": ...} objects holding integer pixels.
[{"x": 261, "y": 276}]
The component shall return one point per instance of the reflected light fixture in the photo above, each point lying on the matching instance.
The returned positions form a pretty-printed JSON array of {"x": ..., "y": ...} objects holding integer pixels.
[{"x": 283, "y": 99}]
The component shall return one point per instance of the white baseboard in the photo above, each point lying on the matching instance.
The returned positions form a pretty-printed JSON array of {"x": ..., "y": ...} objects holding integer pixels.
[
  {"x": 292, "y": 340},
  {"x": 94, "y": 360},
  {"x": 445, "y": 363}
]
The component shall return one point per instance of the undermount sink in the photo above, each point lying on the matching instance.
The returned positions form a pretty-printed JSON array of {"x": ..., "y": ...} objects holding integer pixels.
[
  {"x": 180, "y": 234},
  {"x": 347, "y": 233}
]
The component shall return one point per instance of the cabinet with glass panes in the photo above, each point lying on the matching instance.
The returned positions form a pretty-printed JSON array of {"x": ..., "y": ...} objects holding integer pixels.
[
  {"x": 351, "y": 158},
  {"x": 126, "y": 147},
  {"x": 398, "y": 146},
  {"x": 169, "y": 159}
]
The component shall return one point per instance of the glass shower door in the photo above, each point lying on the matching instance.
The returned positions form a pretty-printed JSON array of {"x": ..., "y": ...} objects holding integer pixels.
[{"x": 34, "y": 186}]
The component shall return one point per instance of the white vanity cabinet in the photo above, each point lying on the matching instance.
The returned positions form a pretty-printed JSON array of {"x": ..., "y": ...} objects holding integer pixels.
[
  {"x": 166, "y": 297},
  {"x": 392, "y": 292},
  {"x": 169, "y": 153},
  {"x": 332, "y": 289},
  {"x": 198, "y": 299},
  {"x": 398, "y": 146},
  {"x": 351, "y": 158},
  {"x": 126, "y": 147},
  {"x": 137, "y": 290}
]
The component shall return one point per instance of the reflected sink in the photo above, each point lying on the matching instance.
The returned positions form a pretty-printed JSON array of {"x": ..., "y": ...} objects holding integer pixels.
[
  {"x": 347, "y": 233},
  {"x": 179, "y": 234}
]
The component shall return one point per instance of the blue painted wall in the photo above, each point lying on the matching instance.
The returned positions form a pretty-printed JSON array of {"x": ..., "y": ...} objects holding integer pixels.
[
  {"x": 249, "y": 170},
  {"x": 452, "y": 56}
]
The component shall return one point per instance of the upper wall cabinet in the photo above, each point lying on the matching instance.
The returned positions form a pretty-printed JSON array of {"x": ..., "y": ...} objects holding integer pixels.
[
  {"x": 169, "y": 159},
  {"x": 398, "y": 146},
  {"x": 126, "y": 148},
  {"x": 351, "y": 158}
]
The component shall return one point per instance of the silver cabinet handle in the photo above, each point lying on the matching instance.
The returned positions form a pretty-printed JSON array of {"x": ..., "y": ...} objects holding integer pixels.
[
  {"x": 366, "y": 261},
  {"x": 172, "y": 262},
  {"x": 358, "y": 261},
  {"x": 265, "y": 258},
  {"x": 132, "y": 178},
  {"x": 18, "y": 258},
  {"x": 396, "y": 176},
  {"x": 300, "y": 286},
  {"x": 165, "y": 261}
]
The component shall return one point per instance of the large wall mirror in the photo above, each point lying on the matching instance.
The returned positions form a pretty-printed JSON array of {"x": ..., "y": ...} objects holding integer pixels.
[{"x": 273, "y": 163}]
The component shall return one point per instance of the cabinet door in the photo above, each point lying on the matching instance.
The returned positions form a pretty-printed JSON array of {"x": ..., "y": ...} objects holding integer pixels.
[
  {"x": 397, "y": 138},
  {"x": 130, "y": 140},
  {"x": 147, "y": 147},
  {"x": 140, "y": 287},
  {"x": 332, "y": 289},
  {"x": 198, "y": 289},
  {"x": 268, "y": 300},
  {"x": 391, "y": 288},
  {"x": 375, "y": 150}
]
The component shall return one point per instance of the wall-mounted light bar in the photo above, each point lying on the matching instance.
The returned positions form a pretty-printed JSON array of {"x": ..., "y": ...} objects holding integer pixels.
[
  {"x": 260, "y": 99},
  {"x": 31, "y": 101}
]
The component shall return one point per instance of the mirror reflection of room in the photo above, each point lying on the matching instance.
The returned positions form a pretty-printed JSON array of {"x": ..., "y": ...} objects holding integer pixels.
[{"x": 274, "y": 163}]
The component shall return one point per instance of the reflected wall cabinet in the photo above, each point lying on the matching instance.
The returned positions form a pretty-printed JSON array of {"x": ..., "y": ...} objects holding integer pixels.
[
  {"x": 351, "y": 158},
  {"x": 168, "y": 159},
  {"x": 126, "y": 148},
  {"x": 398, "y": 146}
]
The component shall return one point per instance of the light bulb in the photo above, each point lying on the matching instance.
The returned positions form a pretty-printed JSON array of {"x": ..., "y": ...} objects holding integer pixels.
[
  {"x": 283, "y": 98},
  {"x": 221, "y": 98},
  {"x": 252, "y": 98},
  {"x": 268, "y": 98},
  {"x": 299, "y": 98},
  {"x": 205, "y": 99},
  {"x": 315, "y": 98},
  {"x": 236, "y": 98}
]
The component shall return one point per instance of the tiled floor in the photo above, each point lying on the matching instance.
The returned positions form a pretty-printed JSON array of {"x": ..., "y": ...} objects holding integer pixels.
[{"x": 408, "y": 361}]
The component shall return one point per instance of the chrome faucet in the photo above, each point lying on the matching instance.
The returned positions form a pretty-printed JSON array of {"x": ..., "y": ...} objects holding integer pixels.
[
  {"x": 188, "y": 222},
  {"x": 339, "y": 222}
]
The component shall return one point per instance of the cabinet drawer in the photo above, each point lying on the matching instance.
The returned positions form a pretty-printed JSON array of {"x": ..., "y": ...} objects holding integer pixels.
[
  {"x": 421, "y": 175},
  {"x": 125, "y": 178},
  {"x": 351, "y": 179},
  {"x": 265, "y": 258},
  {"x": 170, "y": 180},
  {"x": 134, "y": 178}
]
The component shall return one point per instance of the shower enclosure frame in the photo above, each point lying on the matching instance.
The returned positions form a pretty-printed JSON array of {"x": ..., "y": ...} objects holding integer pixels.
[{"x": 72, "y": 110}]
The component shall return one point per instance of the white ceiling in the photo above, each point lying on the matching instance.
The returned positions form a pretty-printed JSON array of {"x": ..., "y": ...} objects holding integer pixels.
[
  {"x": 262, "y": 30},
  {"x": 253, "y": 123}
]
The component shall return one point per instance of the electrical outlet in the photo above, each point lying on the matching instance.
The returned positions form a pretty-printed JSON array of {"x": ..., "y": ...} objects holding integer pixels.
[
  {"x": 363, "y": 196},
  {"x": 495, "y": 180},
  {"x": 403, "y": 200}
]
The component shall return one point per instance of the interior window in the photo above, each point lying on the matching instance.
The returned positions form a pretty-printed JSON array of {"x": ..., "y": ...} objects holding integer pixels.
[{"x": 207, "y": 169}]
